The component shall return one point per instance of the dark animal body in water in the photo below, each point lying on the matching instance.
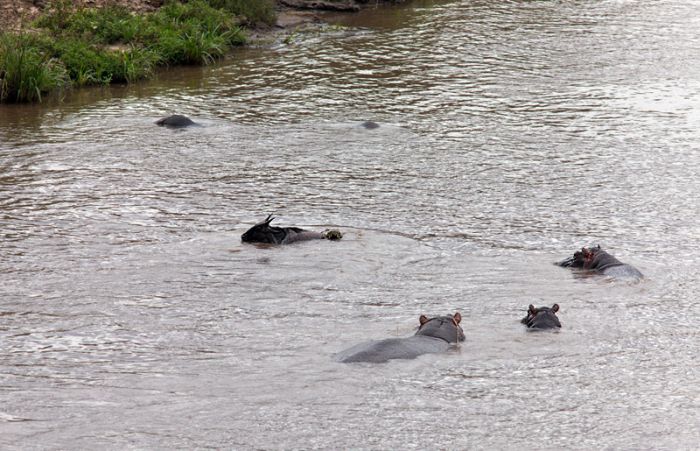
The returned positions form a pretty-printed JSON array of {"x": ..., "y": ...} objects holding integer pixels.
[
  {"x": 263, "y": 232},
  {"x": 369, "y": 125},
  {"x": 176, "y": 121},
  {"x": 539, "y": 318},
  {"x": 597, "y": 260},
  {"x": 434, "y": 335}
]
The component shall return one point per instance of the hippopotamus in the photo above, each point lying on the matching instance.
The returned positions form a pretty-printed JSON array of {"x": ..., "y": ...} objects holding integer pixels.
[
  {"x": 369, "y": 125},
  {"x": 176, "y": 121},
  {"x": 597, "y": 260},
  {"x": 539, "y": 318},
  {"x": 434, "y": 335},
  {"x": 263, "y": 232}
]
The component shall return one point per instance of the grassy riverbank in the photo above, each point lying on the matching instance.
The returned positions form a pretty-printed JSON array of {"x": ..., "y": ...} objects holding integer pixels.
[{"x": 69, "y": 47}]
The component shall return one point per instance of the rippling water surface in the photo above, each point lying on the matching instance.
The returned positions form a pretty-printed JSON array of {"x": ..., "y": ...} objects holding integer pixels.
[{"x": 512, "y": 133}]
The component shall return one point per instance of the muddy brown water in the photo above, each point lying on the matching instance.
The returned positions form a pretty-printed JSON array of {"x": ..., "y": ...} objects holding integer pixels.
[{"x": 512, "y": 133}]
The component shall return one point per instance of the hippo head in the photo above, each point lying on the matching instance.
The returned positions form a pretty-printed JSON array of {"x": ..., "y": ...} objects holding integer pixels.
[
  {"x": 589, "y": 255},
  {"x": 580, "y": 258},
  {"x": 444, "y": 327},
  {"x": 263, "y": 232},
  {"x": 542, "y": 317}
]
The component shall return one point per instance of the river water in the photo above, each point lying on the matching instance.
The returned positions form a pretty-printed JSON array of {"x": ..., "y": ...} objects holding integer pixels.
[{"x": 512, "y": 133}]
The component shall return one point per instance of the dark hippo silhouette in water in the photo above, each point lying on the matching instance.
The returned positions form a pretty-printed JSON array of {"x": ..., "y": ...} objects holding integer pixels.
[
  {"x": 433, "y": 335},
  {"x": 265, "y": 233},
  {"x": 597, "y": 260},
  {"x": 539, "y": 318},
  {"x": 369, "y": 125},
  {"x": 175, "y": 121}
]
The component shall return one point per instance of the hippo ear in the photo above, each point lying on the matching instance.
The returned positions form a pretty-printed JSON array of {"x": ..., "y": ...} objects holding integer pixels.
[
  {"x": 268, "y": 219},
  {"x": 457, "y": 318},
  {"x": 532, "y": 310},
  {"x": 423, "y": 319},
  {"x": 555, "y": 308}
]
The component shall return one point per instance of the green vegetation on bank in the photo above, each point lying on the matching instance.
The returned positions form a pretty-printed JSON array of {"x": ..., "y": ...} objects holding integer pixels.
[
  {"x": 26, "y": 71},
  {"x": 87, "y": 46},
  {"x": 252, "y": 11}
]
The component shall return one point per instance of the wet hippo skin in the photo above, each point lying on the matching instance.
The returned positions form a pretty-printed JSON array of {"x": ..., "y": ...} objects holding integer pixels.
[
  {"x": 595, "y": 259},
  {"x": 175, "y": 121},
  {"x": 434, "y": 335}
]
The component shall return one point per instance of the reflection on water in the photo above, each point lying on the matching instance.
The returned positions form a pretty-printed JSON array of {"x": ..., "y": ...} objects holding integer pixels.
[{"x": 511, "y": 134}]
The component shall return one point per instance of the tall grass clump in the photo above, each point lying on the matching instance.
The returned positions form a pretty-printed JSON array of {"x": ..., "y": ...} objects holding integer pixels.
[
  {"x": 137, "y": 63},
  {"x": 252, "y": 11},
  {"x": 27, "y": 73},
  {"x": 190, "y": 46},
  {"x": 191, "y": 33}
]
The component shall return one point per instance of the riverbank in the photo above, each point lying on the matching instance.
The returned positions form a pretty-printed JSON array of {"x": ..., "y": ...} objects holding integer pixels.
[
  {"x": 52, "y": 47},
  {"x": 16, "y": 13}
]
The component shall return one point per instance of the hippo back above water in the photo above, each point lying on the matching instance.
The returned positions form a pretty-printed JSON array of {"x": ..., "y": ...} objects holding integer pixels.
[
  {"x": 263, "y": 232},
  {"x": 175, "y": 121},
  {"x": 597, "y": 260},
  {"x": 369, "y": 125},
  {"x": 541, "y": 318},
  {"x": 434, "y": 335}
]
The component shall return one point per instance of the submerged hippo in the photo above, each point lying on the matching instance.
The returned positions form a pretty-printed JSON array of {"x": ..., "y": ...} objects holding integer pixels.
[
  {"x": 369, "y": 125},
  {"x": 597, "y": 260},
  {"x": 175, "y": 121},
  {"x": 539, "y": 318},
  {"x": 265, "y": 233},
  {"x": 433, "y": 335}
]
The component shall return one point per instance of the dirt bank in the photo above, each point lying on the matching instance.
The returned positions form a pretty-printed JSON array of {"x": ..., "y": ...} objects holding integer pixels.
[{"x": 15, "y": 13}]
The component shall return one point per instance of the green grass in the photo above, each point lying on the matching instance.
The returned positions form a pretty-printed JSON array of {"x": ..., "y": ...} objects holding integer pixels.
[
  {"x": 107, "y": 25},
  {"x": 191, "y": 46},
  {"x": 87, "y": 46},
  {"x": 251, "y": 11},
  {"x": 192, "y": 33},
  {"x": 27, "y": 73},
  {"x": 89, "y": 65}
]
